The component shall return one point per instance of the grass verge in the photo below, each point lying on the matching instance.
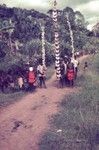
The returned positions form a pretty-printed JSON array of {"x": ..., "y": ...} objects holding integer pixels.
[
  {"x": 76, "y": 126},
  {"x": 6, "y": 99}
]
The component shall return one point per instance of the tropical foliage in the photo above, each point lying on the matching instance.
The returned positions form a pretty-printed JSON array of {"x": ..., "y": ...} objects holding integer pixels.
[{"x": 20, "y": 34}]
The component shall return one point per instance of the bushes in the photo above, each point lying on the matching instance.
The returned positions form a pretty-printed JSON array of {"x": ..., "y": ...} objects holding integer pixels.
[{"x": 33, "y": 50}]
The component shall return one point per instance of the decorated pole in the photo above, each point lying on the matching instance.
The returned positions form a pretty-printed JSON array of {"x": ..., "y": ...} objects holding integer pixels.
[
  {"x": 42, "y": 25},
  {"x": 9, "y": 29},
  {"x": 71, "y": 35},
  {"x": 43, "y": 45},
  {"x": 10, "y": 33},
  {"x": 16, "y": 45},
  {"x": 56, "y": 44}
]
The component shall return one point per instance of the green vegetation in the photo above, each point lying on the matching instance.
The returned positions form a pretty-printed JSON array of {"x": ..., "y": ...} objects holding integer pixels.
[
  {"x": 50, "y": 71},
  {"x": 76, "y": 126},
  {"x": 20, "y": 35},
  {"x": 6, "y": 99}
]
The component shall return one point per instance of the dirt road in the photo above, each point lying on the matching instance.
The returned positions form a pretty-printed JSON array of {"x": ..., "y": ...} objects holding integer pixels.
[{"x": 22, "y": 123}]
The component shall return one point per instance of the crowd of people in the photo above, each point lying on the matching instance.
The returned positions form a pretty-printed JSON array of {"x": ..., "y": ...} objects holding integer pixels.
[
  {"x": 21, "y": 79},
  {"x": 32, "y": 78}
]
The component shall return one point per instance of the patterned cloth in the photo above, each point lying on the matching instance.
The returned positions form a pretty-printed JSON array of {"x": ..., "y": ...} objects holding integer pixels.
[
  {"x": 70, "y": 74},
  {"x": 31, "y": 77},
  {"x": 41, "y": 70}
]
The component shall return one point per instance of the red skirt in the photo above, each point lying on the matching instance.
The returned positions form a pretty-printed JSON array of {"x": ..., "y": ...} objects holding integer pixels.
[
  {"x": 31, "y": 78},
  {"x": 70, "y": 74}
]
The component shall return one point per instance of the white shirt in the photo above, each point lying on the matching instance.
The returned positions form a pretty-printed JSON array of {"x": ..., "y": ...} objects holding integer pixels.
[
  {"x": 75, "y": 62},
  {"x": 42, "y": 70}
]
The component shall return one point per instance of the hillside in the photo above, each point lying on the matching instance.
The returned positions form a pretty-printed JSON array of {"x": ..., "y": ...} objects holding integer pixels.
[{"x": 20, "y": 36}]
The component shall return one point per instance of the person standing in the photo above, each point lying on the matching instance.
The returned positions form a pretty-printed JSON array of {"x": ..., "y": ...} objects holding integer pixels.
[
  {"x": 65, "y": 78},
  {"x": 41, "y": 70},
  {"x": 62, "y": 78},
  {"x": 76, "y": 63},
  {"x": 70, "y": 73},
  {"x": 85, "y": 66},
  {"x": 31, "y": 79},
  {"x": 20, "y": 82}
]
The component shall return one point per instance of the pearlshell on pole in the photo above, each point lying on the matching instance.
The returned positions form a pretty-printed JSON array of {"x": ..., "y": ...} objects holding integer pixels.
[
  {"x": 43, "y": 45},
  {"x": 30, "y": 68},
  {"x": 71, "y": 35},
  {"x": 57, "y": 45}
]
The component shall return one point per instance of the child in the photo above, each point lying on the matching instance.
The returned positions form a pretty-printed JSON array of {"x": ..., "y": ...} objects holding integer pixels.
[
  {"x": 85, "y": 66},
  {"x": 20, "y": 82}
]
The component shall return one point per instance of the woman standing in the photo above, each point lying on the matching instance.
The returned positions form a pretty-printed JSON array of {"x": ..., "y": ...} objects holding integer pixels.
[
  {"x": 31, "y": 79},
  {"x": 42, "y": 75},
  {"x": 70, "y": 73}
]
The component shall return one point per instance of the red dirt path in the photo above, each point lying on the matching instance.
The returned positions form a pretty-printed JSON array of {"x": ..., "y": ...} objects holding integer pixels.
[{"x": 22, "y": 123}]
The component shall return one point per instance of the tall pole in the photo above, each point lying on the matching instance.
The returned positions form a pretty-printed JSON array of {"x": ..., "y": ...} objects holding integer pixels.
[
  {"x": 10, "y": 41},
  {"x": 43, "y": 44},
  {"x": 42, "y": 25},
  {"x": 10, "y": 33},
  {"x": 71, "y": 35},
  {"x": 56, "y": 42}
]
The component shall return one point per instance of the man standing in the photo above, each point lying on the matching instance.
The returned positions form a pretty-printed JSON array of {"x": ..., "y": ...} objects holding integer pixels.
[
  {"x": 41, "y": 69},
  {"x": 62, "y": 78},
  {"x": 76, "y": 63}
]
